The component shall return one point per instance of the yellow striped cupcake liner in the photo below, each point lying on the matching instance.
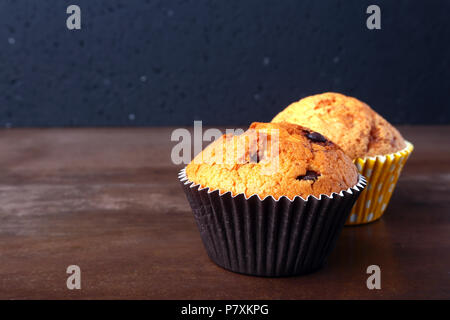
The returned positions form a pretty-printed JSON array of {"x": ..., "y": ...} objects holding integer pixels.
[{"x": 382, "y": 173}]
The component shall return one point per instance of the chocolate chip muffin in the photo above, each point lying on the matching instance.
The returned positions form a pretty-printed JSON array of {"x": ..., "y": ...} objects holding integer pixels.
[
  {"x": 349, "y": 122},
  {"x": 274, "y": 159},
  {"x": 271, "y": 201}
]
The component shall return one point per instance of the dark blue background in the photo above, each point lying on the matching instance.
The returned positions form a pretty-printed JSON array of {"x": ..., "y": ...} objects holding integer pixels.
[{"x": 167, "y": 62}]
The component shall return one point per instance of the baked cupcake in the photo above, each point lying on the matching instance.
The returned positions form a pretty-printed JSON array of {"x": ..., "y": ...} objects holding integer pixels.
[
  {"x": 377, "y": 148},
  {"x": 273, "y": 200}
]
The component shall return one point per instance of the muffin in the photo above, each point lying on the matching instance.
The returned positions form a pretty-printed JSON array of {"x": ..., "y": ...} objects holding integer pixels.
[
  {"x": 273, "y": 200},
  {"x": 377, "y": 148},
  {"x": 308, "y": 163}
]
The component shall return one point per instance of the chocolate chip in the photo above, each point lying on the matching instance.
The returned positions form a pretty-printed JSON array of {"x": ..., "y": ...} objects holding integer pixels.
[
  {"x": 316, "y": 137},
  {"x": 310, "y": 175}
]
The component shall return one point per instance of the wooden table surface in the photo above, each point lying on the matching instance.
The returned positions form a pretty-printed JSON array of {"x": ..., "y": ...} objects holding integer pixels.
[{"x": 108, "y": 200}]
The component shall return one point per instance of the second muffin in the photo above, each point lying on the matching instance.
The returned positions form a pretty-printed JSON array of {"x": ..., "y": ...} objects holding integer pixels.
[
  {"x": 377, "y": 148},
  {"x": 349, "y": 122}
]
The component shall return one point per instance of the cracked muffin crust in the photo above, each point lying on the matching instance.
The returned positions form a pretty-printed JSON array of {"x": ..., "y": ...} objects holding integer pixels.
[
  {"x": 274, "y": 159},
  {"x": 349, "y": 122}
]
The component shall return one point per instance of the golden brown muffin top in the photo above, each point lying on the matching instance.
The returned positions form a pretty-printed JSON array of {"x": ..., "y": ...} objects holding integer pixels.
[
  {"x": 274, "y": 159},
  {"x": 349, "y": 122}
]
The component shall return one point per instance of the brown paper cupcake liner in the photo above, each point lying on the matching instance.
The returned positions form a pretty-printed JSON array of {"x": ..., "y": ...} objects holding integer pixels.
[{"x": 268, "y": 237}]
